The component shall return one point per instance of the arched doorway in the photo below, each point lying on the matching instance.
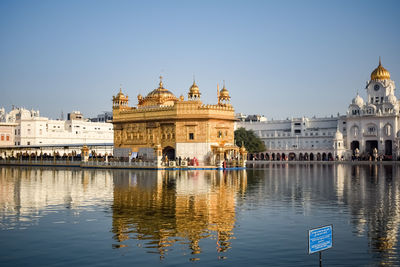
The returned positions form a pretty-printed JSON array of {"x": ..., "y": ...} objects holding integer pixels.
[
  {"x": 278, "y": 156},
  {"x": 267, "y": 156},
  {"x": 319, "y": 156},
  {"x": 261, "y": 156},
  {"x": 283, "y": 156},
  {"x": 330, "y": 157},
  {"x": 354, "y": 145},
  {"x": 169, "y": 152},
  {"x": 306, "y": 156},
  {"x": 388, "y": 148},
  {"x": 301, "y": 156},
  {"x": 370, "y": 145},
  {"x": 324, "y": 157},
  {"x": 311, "y": 156},
  {"x": 273, "y": 156},
  {"x": 292, "y": 156}
]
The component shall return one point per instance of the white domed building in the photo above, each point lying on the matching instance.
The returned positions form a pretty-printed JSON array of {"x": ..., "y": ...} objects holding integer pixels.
[{"x": 373, "y": 125}]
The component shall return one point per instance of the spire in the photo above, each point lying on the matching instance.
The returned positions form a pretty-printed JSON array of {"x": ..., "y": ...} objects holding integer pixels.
[
  {"x": 380, "y": 64},
  {"x": 161, "y": 83},
  {"x": 224, "y": 85},
  {"x": 218, "y": 92}
]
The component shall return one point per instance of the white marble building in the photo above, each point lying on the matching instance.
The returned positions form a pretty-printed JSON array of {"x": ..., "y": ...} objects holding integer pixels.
[
  {"x": 33, "y": 130},
  {"x": 370, "y": 130},
  {"x": 373, "y": 124},
  {"x": 298, "y": 138}
]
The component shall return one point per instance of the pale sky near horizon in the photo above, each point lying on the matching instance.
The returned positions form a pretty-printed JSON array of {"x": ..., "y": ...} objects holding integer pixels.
[{"x": 278, "y": 58}]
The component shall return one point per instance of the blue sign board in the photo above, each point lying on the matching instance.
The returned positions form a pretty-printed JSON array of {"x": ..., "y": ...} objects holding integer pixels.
[{"x": 319, "y": 239}]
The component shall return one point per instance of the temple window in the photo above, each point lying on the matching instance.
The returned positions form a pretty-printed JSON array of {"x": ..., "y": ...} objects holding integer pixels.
[{"x": 191, "y": 136}]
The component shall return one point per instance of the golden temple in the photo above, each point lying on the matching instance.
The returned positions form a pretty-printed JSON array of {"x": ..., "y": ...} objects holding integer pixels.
[{"x": 162, "y": 125}]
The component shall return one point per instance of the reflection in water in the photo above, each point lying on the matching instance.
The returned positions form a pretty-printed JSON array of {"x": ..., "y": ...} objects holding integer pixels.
[
  {"x": 166, "y": 207},
  {"x": 373, "y": 197},
  {"x": 26, "y": 194},
  {"x": 163, "y": 211}
]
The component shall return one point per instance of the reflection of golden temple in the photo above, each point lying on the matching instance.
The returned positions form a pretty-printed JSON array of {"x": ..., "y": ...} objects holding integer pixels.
[
  {"x": 168, "y": 207},
  {"x": 185, "y": 128}
]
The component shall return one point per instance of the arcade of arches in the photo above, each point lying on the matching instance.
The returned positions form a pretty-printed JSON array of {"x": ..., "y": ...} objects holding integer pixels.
[{"x": 291, "y": 156}]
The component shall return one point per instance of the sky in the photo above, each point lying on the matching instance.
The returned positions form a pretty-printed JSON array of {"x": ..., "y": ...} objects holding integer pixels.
[{"x": 281, "y": 59}]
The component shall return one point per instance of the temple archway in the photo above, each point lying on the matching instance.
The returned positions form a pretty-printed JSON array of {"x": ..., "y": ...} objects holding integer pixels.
[{"x": 169, "y": 152}]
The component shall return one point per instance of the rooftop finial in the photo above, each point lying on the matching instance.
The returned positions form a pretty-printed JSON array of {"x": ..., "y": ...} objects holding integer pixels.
[
  {"x": 161, "y": 83},
  {"x": 218, "y": 92},
  {"x": 224, "y": 85},
  {"x": 380, "y": 61}
]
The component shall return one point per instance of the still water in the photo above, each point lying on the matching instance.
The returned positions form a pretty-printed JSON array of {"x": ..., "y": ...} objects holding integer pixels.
[{"x": 258, "y": 217}]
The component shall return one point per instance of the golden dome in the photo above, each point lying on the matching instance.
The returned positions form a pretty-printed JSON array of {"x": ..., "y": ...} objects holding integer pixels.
[
  {"x": 224, "y": 94},
  {"x": 194, "y": 89},
  {"x": 120, "y": 95},
  {"x": 380, "y": 73},
  {"x": 194, "y": 92},
  {"x": 159, "y": 96}
]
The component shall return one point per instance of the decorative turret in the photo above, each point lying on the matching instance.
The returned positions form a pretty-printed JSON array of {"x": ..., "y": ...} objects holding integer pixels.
[
  {"x": 223, "y": 96},
  {"x": 120, "y": 101},
  {"x": 194, "y": 92},
  {"x": 358, "y": 100}
]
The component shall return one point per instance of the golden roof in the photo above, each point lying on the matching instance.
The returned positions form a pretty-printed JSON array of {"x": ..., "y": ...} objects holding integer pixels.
[
  {"x": 194, "y": 89},
  {"x": 120, "y": 96},
  {"x": 158, "y": 96},
  {"x": 224, "y": 94},
  {"x": 380, "y": 73}
]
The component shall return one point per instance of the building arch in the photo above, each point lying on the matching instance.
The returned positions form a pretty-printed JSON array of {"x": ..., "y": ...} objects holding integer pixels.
[
  {"x": 301, "y": 157},
  {"x": 278, "y": 156},
  {"x": 169, "y": 152},
  {"x": 311, "y": 156},
  {"x": 292, "y": 156},
  {"x": 318, "y": 156},
  {"x": 306, "y": 156},
  {"x": 283, "y": 156},
  {"x": 324, "y": 158}
]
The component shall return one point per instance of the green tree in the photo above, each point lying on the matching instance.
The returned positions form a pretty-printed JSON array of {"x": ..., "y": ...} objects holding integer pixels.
[{"x": 251, "y": 141}]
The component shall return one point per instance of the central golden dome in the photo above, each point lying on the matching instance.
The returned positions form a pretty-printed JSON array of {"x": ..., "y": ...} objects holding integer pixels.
[
  {"x": 159, "y": 96},
  {"x": 380, "y": 73}
]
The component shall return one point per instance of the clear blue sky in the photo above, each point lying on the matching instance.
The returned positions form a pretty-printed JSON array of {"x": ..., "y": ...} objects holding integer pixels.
[{"x": 278, "y": 58}]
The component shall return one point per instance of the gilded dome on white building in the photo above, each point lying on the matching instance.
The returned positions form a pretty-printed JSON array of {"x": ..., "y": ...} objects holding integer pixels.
[{"x": 380, "y": 73}]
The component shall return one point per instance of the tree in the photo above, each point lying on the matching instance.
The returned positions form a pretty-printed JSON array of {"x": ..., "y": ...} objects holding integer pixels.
[{"x": 251, "y": 141}]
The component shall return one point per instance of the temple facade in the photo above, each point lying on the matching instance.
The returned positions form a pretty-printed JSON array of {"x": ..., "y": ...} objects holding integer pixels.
[{"x": 163, "y": 125}]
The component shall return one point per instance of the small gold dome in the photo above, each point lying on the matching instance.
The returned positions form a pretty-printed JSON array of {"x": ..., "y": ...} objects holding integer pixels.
[
  {"x": 380, "y": 73},
  {"x": 194, "y": 92},
  {"x": 120, "y": 94},
  {"x": 194, "y": 89},
  {"x": 224, "y": 94}
]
